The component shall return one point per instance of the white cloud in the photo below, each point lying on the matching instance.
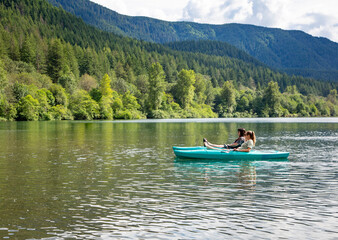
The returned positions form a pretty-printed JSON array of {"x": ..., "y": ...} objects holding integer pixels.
[
  {"x": 116, "y": 5},
  {"x": 165, "y": 10},
  {"x": 315, "y": 17},
  {"x": 217, "y": 11}
]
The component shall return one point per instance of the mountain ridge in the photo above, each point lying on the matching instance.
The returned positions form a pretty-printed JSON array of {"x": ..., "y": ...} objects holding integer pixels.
[{"x": 287, "y": 50}]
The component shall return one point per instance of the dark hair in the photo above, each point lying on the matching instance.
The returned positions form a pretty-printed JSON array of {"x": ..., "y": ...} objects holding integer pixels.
[
  {"x": 241, "y": 132},
  {"x": 252, "y": 136}
]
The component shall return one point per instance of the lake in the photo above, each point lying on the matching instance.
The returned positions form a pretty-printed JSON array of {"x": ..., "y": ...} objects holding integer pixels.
[{"x": 120, "y": 180}]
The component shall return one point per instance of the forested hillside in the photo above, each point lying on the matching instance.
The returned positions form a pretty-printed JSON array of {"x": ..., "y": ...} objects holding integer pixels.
[
  {"x": 215, "y": 48},
  {"x": 292, "y": 51},
  {"x": 54, "y": 66}
]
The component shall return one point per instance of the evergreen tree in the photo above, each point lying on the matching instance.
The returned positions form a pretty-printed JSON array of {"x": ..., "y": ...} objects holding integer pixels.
[
  {"x": 68, "y": 82},
  {"x": 3, "y": 78},
  {"x": 228, "y": 96},
  {"x": 55, "y": 60},
  {"x": 3, "y": 51},
  {"x": 14, "y": 51},
  {"x": 272, "y": 99},
  {"x": 200, "y": 89},
  {"x": 156, "y": 86},
  {"x": 131, "y": 76},
  {"x": 332, "y": 97},
  {"x": 71, "y": 60},
  {"x": 120, "y": 71},
  {"x": 243, "y": 104},
  {"x": 27, "y": 52}
]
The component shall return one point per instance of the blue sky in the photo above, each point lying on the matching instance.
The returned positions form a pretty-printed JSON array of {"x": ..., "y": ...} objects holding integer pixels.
[{"x": 318, "y": 18}]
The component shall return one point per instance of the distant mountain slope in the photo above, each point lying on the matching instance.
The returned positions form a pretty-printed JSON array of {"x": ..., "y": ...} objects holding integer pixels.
[
  {"x": 292, "y": 51},
  {"x": 215, "y": 48}
]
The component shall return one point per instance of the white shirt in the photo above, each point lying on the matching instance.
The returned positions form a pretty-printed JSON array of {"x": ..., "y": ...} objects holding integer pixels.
[{"x": 247, "y": 144}]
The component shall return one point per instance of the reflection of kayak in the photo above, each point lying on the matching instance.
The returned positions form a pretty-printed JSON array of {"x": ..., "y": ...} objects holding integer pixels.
[{"x": 204, "y": 153}]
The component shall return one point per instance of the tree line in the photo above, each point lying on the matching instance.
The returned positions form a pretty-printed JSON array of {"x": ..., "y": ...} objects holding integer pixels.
[{"x": 53, "y": 66}]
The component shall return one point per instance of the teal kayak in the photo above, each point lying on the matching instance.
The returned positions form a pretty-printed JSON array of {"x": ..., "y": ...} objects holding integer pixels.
[{"x": 224, "y": 154}]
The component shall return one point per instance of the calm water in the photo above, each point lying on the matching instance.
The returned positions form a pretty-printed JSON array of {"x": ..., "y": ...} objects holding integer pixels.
[{"x": 120, "y": 180}]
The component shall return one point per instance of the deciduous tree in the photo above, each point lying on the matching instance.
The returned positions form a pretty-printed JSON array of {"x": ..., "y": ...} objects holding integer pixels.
[{"x": 184, "y": 90}]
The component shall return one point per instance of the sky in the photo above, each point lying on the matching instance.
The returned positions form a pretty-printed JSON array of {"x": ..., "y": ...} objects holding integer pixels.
[{"x": 316, "y": 17}]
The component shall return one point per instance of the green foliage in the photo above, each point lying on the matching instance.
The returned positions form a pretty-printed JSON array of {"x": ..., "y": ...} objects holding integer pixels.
[
  {"x": 27, "y": 53},
  {"x": 83, "y": 106},
  {"x": 30, "y": 78},
  {"x": 59, "y": 94},
  {"x": 60, "y": 112},
  {"x": 185, "y": 87},
  {"x": 106, "y": 111},
  {"x": 243, "y": 104},
  {"x": 17, "y": 67},
  {"x": 130, "y": 101},
  {"x": 204, "y": 111},
  {"x": 3, "y": 78},
  {"x": 19, "y": 91},
  {"x": 55, "y": 60},
  {"x": 159, "y": 114},
  {"x": 156, "y": 86},
  {"x": 14, "y": 52},
  {"x": 228, "y": 97},
  {"x": 200, "y": 89},
  {"x": 332, "y": 97},
  {"x": 3, "y": 51},
  {"x": 44, "y": 106},
  {"x": 7, "y": 111},
  {"x": 117, "y": 104},
  {"x": 28, "y": 109},
  {"x": 68, "y": 82},
  {"x": 105, "y": 88},
  {"x": 272, "y": 99},
  {"x": 323, "y": 108},
  {"x": 96, "y": 94},
  {"x": 123, "y": 114}
]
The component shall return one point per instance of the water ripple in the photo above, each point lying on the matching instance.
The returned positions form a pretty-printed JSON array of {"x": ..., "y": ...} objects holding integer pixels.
[{"x": 98, "y": 184}]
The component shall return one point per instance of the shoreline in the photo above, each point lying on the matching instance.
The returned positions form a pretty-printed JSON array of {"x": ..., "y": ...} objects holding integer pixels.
[{"x": 207, "y": 120}]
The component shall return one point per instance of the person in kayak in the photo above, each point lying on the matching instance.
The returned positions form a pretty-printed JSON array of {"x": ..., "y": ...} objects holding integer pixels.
[
  {"x": 250, "y": 141},
  {"x": 237, "y": 143}
]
